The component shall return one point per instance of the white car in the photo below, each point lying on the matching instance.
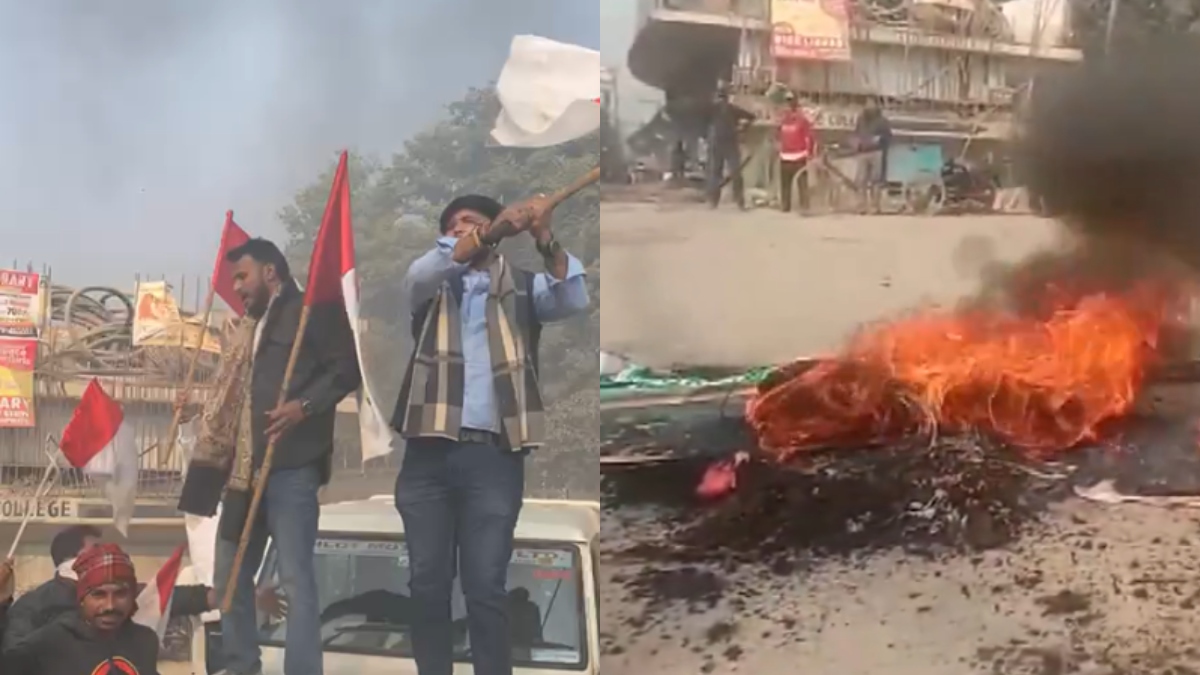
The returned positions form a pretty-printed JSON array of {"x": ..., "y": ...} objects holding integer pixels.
[{"x": 362, "y": 568}]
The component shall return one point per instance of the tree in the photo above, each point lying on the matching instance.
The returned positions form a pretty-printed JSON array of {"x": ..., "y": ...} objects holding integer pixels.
[{"x": 395, "y": 208}]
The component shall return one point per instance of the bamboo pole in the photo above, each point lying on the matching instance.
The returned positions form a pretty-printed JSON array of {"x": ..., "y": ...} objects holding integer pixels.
[
  {"x": 42, "y": 488},
  {"x": 259, "y": 482},
  {"x": 185, "y": 392}
]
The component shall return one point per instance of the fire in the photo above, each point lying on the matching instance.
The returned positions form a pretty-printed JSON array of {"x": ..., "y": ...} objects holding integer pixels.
[{"x": 1041, "y": 384}]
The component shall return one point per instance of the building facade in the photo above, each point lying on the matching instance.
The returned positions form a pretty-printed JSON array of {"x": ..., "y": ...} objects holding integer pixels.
[{"x": 948, "y": 70}]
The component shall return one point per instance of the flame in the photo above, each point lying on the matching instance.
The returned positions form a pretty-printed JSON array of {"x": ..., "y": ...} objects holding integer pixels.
[{"x": 1040, "y": 384}]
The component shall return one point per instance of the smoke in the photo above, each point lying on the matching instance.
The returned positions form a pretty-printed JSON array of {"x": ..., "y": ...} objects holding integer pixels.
[
  {"x": 1113, "y": 150},
  {"x": 127, "y": 129}
]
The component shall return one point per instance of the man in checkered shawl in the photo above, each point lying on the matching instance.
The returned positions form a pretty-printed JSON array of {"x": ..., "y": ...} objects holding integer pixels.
[{"x": 471, "y": 409}]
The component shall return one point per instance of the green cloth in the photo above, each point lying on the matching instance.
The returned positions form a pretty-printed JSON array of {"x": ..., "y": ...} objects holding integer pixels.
[{"x": 638, "y": 379}]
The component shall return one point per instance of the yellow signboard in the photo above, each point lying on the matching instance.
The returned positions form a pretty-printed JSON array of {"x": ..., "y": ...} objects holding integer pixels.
[
  {"x": 818, "y": 30},
  {"x": 158, "y": 323},
  {"x": 17, "y": 359}
]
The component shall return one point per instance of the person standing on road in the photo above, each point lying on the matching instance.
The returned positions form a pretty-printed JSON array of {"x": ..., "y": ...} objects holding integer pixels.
[
  {"x": 724, "y": 152},
  {"x": 872, "y": 139},
  {"x": 471, "y": 409},
  {"x": 797, "y": 144},
  {"x": 240, "y": 419}
]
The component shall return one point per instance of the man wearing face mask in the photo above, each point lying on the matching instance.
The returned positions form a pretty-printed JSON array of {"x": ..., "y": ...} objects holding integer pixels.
[
  {"x": 471, "y": 409},
  {"x": 100, "y": 636},
  {"x": 240, "y": 419}
]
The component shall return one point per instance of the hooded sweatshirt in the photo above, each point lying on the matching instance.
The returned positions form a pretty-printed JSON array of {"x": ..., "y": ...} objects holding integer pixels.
[{"x": 69, "y": 646}]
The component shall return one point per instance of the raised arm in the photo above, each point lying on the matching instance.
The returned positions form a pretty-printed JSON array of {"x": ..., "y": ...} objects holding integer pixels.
[
  {"x": 426, "y": 274},
  {"x": 556, "y": 299},
  {"x": 561, "y": 291}
]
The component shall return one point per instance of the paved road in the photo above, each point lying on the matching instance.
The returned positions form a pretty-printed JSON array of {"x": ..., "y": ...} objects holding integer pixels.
[{"x": 686, "y": 285}]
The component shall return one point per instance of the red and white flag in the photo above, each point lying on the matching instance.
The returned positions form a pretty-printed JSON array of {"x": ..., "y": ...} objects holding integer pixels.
[
  {"x": 332, "y": 278},
  {"x": 232, "y": 237},
  {"x": 154, "y": 602},
  {"x": 549, "y": 92},
  {"x": 98, "y": 441}
]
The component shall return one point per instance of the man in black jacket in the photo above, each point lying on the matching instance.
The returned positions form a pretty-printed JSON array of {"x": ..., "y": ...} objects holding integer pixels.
[
  {"x": 38, "y": 607},
  {"x": 99, "y": 636},
  {"x": 326, "y": 371},
  {"x": 30, "y": 618}
]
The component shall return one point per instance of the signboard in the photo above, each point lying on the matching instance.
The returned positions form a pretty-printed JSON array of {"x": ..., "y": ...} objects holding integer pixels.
[
  {"x": 45, "y": 510},
  {"x": 20, "y": 304},
  {"x": 817, "y": 30},
  {"x": 17, "y": 359},
  {"x": 158, "y": 323}
]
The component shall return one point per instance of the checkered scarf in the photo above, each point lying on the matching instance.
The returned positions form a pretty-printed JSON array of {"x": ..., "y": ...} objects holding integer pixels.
[
  {"x": 102, "y": 564},
  {"x": 434, "y": 386}
]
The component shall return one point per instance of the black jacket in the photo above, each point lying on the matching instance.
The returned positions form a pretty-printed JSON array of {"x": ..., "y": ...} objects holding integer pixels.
[
  {"x": 32, "y": 617},
  {"x": 326, "y": 372},
  {"x": 68, "y": 646}
]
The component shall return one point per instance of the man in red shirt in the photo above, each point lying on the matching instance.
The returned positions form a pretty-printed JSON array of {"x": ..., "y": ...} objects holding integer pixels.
[{"x": 796, "y": 145}]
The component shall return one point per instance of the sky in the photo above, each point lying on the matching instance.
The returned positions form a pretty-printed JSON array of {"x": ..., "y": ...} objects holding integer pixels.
[{"x": 129, "y": 127}]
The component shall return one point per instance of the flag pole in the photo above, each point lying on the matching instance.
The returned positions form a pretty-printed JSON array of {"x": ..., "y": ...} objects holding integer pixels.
[
  {"x": 260, "y": 479},
  {"x": 37, "y": 498},
  {"x": 186, "y": 391},
  {"x": 580, "y": 183},
  {"x": 189, "y": 377}
]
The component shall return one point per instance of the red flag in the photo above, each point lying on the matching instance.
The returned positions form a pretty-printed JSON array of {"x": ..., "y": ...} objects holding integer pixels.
[
  {"x": 93, "y": 426},
  {"x": 332, "y": 278},
  {"x": 98, "y": 441},
  {"x": 232, "y": 237},
  {"x": 333, "y": 254},
  {"x": 154, "y": 602}
]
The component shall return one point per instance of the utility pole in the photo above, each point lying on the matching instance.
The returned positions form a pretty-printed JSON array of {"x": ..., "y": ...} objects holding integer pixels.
[{"x": 1113, "y": 5}]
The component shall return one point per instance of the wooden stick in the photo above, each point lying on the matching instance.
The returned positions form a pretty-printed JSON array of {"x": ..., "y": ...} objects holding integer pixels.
[
  {"x": 260, "y": 480},
  {"x": 580, "y": 183},
  {"x": 173, "y": 430},
  {"x": 37, "y": 498}
]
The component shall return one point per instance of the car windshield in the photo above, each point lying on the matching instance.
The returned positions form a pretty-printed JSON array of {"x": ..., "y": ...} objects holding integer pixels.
[{"x": 365, "y": 608}]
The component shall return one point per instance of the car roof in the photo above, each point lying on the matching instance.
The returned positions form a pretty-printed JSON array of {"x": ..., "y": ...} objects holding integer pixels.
[{"x": 540, "y": 519}]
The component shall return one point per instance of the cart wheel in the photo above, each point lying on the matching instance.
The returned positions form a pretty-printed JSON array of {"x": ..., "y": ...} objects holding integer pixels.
[{"x": 924, "y": 197}]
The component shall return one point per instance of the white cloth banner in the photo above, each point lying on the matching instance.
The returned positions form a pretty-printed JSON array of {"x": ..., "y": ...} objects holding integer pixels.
[{"x": 549, "y": 92}]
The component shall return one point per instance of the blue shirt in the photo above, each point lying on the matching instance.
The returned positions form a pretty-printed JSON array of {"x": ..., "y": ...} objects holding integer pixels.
[{"x": 553, "y": 300}]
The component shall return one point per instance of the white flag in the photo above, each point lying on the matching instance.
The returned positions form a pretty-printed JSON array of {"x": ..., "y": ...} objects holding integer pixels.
[{"x": 549, "y": 92}]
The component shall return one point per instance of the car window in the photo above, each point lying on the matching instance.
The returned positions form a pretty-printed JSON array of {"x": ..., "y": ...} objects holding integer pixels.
[{"x": 362, "y": 586}]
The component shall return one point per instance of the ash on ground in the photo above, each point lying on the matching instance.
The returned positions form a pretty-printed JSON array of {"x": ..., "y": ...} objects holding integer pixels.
[{"x": 954, "y": 494}]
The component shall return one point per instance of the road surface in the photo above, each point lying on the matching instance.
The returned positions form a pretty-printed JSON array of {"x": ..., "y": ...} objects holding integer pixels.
[{"x": 683, "y": 284}]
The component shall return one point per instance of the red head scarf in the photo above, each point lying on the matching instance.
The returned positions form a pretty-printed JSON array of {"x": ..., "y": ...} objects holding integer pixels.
[{"x": 103, "y": 564}]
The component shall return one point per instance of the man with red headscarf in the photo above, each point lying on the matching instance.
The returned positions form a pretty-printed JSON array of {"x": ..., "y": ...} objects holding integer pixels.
[{"x": 101, "y": 638}]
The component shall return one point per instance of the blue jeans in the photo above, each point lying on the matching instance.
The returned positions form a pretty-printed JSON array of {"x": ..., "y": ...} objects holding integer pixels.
[
  {"x": 291, "y": 513},
  {"x": 460, "y": 502}
]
